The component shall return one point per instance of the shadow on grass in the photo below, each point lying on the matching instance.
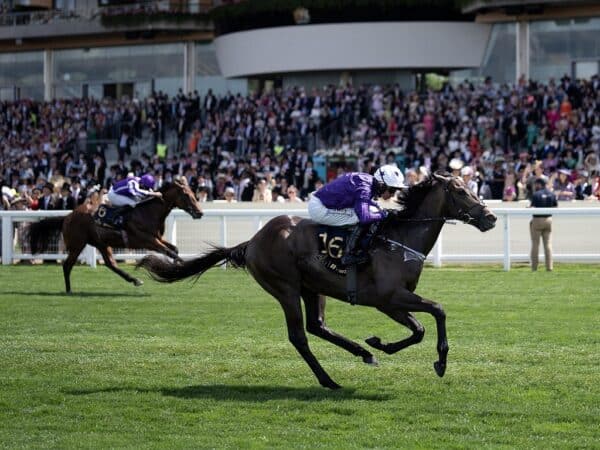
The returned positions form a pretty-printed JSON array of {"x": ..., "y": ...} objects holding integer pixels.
[
  {"x": 258, "y": 394},
  {"x": 75, "y": 294}
]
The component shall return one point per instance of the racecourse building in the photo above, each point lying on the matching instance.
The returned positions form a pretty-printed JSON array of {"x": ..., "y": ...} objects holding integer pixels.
[{"x": 110, "y": 48}]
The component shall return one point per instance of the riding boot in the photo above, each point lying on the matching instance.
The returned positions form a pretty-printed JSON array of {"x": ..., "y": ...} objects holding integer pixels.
[{"x": 353, "y": 254}]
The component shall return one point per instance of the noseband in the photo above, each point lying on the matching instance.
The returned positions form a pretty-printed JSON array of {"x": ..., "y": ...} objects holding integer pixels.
[{"x": 461, "y": 214}]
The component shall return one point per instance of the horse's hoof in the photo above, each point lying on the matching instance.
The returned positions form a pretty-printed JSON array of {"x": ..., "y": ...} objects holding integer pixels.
[
  {"x": 440, "y": 368},
  {"x": 374, "y": 342},
  {"x": 137, "y": 283},
  {"x": 330, "y": 384},
  {"x": 370, "y": 360}
]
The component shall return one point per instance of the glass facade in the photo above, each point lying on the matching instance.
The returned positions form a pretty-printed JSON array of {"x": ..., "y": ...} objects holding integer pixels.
[
  {"x": 556, "y": 46},
  {"x": 500, "y": 58},
  {"x": 208, "y": 73},
  {"x": 22, "y": 75},
  {"x": 143, "y": 65}
]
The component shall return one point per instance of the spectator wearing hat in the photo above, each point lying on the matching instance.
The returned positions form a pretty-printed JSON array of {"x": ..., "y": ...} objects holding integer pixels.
[
  {"x": 65, "y": 201},
  {"x": 563, "y": 188},
  {"x": 467, "y": 176},
  {"x": 541, "y": 224},
  {"x": 47, "y": 200},
  {"x": 455, "y": 166},
  {"x": 229, "y": 195}
]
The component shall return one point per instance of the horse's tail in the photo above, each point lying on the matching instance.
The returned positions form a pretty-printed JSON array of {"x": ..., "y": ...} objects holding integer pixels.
[
  {"x": 168, "y": 272},
  {"x": 42, "y": 232}
]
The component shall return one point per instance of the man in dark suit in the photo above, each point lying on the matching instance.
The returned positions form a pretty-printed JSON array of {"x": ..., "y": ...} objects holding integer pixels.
[
  {"x": 47, "y": 200},
  {"x": 66, "y": 200}
]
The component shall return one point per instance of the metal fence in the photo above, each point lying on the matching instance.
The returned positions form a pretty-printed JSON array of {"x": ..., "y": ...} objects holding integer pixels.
[{"x": 575, "y": 235}]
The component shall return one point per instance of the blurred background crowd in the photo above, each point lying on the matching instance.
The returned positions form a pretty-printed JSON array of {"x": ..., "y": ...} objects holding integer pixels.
[{"x": 500, "y": 138}]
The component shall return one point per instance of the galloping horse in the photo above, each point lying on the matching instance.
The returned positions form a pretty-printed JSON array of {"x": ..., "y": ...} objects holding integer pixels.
[
  {"x": 283, "y": 257},
  {"x": 143, "y": 230}
]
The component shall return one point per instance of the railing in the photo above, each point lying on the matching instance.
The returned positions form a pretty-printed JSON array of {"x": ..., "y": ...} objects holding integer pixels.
[
  {"x": 14, "y": 19},
  {"x": 574, "y": 227}
]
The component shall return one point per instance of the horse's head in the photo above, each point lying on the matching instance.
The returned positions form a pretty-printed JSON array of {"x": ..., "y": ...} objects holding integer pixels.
[
  {"x": 180, "y": 195},
  {"x": 462, "y": 204}
]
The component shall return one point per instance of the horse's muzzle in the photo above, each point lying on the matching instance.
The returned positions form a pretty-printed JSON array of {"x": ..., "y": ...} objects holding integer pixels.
[
  {"x": 487, "y": 220},
  {"x": 196, "y": 214}
]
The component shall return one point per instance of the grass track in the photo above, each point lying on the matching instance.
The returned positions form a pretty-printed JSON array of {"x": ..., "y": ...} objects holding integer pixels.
[{"x": 209, "y": 366}]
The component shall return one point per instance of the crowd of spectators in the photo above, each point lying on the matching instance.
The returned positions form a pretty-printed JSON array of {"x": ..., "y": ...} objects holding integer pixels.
[{"x": 259, "y": 147}]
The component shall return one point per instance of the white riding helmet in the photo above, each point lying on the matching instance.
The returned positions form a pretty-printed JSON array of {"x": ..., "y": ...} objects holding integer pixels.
[{"x": 390, "y": 175}]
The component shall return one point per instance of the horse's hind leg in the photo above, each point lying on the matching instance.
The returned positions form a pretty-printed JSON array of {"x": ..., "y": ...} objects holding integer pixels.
[
  {"x": 289, "y": 299},
  {"x": 169, "y": 246},
  {"x": 110, "y": 262},
  {"x": 406, "y": 319},
  {"x": 315, "y": 324}
]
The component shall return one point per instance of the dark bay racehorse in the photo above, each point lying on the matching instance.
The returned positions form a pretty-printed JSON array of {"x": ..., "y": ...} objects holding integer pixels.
[
  {"x": 283, "y": 257},
  {"x": 143, "y": 230}
]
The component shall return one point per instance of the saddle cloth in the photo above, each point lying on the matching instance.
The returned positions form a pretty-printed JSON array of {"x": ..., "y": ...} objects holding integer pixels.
[
  {"x": 332, "y": 243},
  {"x": 111, "y": 216}
]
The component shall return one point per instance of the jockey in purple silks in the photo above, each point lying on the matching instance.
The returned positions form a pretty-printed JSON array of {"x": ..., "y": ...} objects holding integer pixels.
[
  {"x": 130, "y": 191},
  {"x": 348, "y": 200}
]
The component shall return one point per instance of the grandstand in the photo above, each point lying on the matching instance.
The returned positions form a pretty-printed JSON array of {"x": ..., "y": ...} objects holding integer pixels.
[{"x": 110, "y": 48}]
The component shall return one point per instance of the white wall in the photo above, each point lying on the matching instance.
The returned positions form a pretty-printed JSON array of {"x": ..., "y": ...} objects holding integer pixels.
[{"x": 372, "y": 45}]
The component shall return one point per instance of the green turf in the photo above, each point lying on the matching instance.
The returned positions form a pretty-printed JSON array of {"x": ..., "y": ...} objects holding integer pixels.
[{"x": 209, "y": 365}]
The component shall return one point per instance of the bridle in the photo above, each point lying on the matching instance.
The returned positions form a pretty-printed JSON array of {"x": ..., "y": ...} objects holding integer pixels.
[{"x": 462, "y": 215}]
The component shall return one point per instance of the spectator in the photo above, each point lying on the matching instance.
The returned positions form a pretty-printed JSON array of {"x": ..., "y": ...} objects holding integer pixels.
[
  {"x": 47, "y": 201},
  {"x": 467, "y": 175},
  {"x": 563, "y": 188},
  {"x": 262, "y": 193},
  {"x": 292, "y": 195}
]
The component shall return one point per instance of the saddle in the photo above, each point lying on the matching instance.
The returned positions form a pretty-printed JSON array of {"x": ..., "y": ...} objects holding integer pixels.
[{"x": 113, "y": 217}]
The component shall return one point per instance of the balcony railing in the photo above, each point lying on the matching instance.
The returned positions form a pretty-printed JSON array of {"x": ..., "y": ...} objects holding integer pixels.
[{"x": 14, "y": 19}]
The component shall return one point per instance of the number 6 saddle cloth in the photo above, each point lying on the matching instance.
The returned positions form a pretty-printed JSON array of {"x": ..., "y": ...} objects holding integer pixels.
[
  {"x": 332, "y": 245},
  {"x": 111, "y": 216}
]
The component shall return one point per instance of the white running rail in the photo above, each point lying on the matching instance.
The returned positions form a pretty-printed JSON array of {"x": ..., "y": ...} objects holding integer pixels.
[{"x": 581, "y": 224}]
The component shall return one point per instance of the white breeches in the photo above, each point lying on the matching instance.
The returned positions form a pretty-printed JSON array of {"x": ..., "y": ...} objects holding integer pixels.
[
  {"x": 334, "y": 217},
  {"x": 120, "y": 200}
]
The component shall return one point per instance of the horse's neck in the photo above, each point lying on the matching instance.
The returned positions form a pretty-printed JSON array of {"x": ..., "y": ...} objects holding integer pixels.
[
  {"x": 421, "y": 236},
  {"x": 167, "y": 207}
]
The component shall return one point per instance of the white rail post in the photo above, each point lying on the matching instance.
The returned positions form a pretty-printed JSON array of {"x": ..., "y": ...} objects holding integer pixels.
[
  {"x": 506, "y": 242},
  {"x": 7, "y": 239},
  {"x": 257, "y": 223},
  {"x": 171, "y": 230},
  {"x": 437, "y": 252},
  {"x": 224, "y": 234},
  {"x": 94, "y": 257}
]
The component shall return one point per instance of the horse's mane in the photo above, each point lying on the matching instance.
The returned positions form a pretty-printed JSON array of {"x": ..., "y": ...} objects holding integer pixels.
[{"x": 410, "y": 199}]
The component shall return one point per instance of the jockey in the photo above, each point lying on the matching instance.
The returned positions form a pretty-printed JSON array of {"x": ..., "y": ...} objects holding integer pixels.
[
  {"x": 348, "y": 200},
  {"x": 130, "y": 191}
]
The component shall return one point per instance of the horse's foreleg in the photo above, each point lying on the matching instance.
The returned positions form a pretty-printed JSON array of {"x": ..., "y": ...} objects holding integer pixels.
[
  {"x": 110, "y": 262},
  {"x": 155, "y": 243},
  {"x": 315, "y": 324},
  {"x": 406, "y": 319},
  {"x": 408, "y": 301},
  {"x": 69, "y": 263}
]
